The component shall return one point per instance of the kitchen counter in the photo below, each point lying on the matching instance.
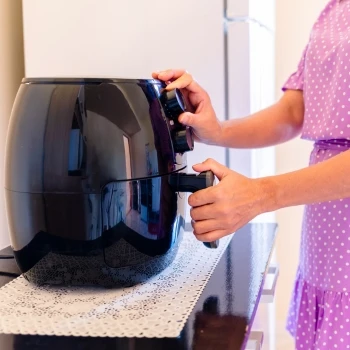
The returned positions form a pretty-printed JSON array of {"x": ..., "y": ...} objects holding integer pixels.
[{"x": 221, "y": 319}]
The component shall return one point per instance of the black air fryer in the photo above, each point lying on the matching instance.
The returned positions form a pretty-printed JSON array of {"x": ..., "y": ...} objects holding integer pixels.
[{"x": 94, "y": 171}]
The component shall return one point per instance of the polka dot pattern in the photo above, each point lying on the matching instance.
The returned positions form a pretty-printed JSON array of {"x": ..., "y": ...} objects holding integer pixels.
[
  {"x": 319, "y": 315},
  {"x": 319, "y": 320},
  {"x": 321, "y": 300},
  {"x": 324, "y": 75}
]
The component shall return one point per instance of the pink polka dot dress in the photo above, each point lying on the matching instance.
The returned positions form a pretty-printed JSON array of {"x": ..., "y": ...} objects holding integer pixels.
[{"x": 319, "y": 316}]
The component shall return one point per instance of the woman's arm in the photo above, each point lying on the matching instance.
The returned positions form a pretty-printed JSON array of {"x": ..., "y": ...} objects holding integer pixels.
[
  {"x": 276, "y": 124},
  {"x": 279, "y": 123},
  {"x": 325, "y": 181},
  {"x": 236, "y": 199}
]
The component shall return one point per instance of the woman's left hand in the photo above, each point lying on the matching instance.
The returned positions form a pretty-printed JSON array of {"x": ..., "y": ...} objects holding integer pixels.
[{"x": 220, "y": 210}]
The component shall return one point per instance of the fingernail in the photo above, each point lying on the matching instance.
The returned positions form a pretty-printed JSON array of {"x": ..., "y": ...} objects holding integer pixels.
[{"x": 182, "y": 119}]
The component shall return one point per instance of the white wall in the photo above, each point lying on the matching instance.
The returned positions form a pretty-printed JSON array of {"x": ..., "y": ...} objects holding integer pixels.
[
  {"x": 11, "y": 73},
  {"x": 294, "y": 21}
]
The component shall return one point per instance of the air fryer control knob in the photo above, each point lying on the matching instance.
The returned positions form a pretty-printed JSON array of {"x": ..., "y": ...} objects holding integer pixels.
[
  {"x": 183, "y": 140},
  {"x": 173, "y": 103}
]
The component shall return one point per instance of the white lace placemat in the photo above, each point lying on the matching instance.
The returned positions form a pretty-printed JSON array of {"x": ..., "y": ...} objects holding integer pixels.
[{"x": 157, "y": 308}]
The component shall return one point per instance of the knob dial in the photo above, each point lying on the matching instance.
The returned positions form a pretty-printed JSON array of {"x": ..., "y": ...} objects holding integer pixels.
[
  {"x": 183, "y": 140},
  {"x": 173, "y": 103}
]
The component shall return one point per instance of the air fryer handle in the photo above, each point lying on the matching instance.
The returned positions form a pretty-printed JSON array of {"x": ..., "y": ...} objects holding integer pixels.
[{"x": 181, "y": 182}]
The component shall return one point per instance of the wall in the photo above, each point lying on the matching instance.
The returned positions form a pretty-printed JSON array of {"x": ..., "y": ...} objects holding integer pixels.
[
  {"x": 11, "y": 73},
  {"x": 294, "y": 21}
]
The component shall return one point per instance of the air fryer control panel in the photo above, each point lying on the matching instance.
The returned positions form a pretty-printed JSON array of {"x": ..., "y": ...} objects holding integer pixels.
[{"x": 173, "y": 105}]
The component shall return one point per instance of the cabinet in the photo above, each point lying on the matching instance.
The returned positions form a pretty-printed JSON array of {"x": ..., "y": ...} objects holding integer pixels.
[{"x": 262, "y": 336}]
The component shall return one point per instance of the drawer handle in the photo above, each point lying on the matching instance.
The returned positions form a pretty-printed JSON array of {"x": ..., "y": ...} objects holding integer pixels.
[
  {"x": 268, "y": 294},
  {"x": 255, "y": 340}
]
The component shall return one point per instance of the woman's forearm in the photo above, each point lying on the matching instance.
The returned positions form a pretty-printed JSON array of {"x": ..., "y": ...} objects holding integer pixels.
[
  {"x": 322, "y": 182},
  {"x": 271, "y": 126}
]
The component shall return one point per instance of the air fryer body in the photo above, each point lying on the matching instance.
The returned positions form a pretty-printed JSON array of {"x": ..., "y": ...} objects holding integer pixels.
[{"x": 87, "y": 190}]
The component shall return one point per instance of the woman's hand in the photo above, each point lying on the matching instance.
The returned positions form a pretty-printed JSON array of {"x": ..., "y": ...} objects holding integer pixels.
[
  {"x": 206, "y": 127},
  {"x": 222, "y": 209}
]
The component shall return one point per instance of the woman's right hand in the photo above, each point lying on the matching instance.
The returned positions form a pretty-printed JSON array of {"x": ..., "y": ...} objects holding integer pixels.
[{"x": 203, "y": 121}]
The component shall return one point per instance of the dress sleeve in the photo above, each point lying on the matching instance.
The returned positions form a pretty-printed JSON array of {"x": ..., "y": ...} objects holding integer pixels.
[{"x": 296, "y": 80}]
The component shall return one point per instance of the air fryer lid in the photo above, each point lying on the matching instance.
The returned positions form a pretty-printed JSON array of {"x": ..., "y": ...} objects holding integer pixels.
[{"x": 87, "y": 133}]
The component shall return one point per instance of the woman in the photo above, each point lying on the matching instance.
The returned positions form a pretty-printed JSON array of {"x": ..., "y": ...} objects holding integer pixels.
[{"x": 316, "y": 103}]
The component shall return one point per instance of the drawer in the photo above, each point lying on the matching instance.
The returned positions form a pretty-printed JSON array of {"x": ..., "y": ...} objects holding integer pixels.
[
  {"x": 255, "y": 340},
  {"x": 263, "y": 328},
  {"x": 269, "y": 289}
]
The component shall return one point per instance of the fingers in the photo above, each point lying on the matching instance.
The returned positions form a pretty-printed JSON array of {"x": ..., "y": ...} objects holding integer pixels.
[
  {"x": 214, "y": 193},
  {"x": 210, "y": 195},
  {"x": 205, "y": 226},
  {"x": 168, "y": 74},
  {"x": 204, "y": 197},
  {"x": 204, "y": 212},
  {"x": 211, "y": 230},
  {"x": 180, "y": 79},
  {"x": 213, "y": 217},
  {"x": 212, "y": 236},
  {"x": 188, "y": 119},
  {"x": 185, "y": 81},
  {"x": 219, "y": 170}
]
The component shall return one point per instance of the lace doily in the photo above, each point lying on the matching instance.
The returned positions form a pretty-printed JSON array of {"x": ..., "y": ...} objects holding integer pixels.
[
  {"x": 156, "y": 308},
  {"x": 57, "y": 269}
]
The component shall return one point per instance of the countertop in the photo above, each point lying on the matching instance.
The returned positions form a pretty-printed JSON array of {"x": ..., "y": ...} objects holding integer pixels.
[{"x": 221, "y": 319}]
